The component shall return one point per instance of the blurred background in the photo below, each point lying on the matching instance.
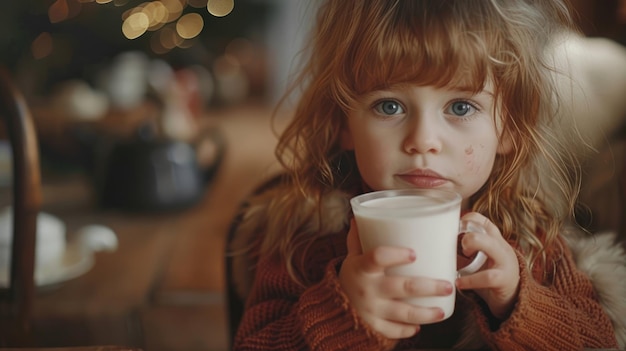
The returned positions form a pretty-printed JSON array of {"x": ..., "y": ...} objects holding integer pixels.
[
  {"x": 46, "y": 42},
  {"x": 154, "y": 120}
]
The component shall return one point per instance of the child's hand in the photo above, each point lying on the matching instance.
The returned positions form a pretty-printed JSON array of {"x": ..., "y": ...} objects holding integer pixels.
[
  {"x": 376, "y": 296},
  {"x": 498, "y": 281}
]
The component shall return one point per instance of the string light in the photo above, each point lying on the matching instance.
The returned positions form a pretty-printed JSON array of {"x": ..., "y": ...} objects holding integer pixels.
[
  {"x": 220, "y": 8},
  {"x": 189, "y": 25},
  {"x": 166, "y": 21}
]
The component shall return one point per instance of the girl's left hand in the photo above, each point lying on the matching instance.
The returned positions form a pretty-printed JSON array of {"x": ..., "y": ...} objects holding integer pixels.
[{"x": 498, "y": 281}]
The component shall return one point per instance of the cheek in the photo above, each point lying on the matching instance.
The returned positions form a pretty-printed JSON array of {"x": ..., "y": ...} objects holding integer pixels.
[
  {"x": 371, "y": 160},
  {"x": 475, "y": 159},
  {"x": 373, "y": 163},
  {"x": 470, "y": 159}
]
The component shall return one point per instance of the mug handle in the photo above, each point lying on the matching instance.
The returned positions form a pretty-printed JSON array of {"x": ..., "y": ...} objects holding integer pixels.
[{"x": 480, "y": 258}]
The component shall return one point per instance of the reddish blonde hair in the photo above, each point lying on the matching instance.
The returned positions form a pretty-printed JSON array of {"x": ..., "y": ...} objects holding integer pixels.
[{"x": 364, "y": 45}]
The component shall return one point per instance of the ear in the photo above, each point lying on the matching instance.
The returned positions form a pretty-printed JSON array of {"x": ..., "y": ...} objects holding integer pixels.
[
  {"x": 505, "y": 144},
  {"x": 346, "y": 139}
]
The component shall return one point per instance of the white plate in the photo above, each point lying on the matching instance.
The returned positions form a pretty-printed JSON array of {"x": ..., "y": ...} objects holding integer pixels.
[{"x": 76, "y": 261}]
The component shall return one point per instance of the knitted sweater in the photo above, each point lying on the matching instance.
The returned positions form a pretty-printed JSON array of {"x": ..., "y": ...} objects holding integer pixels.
[{"x": 562, "y": 312}]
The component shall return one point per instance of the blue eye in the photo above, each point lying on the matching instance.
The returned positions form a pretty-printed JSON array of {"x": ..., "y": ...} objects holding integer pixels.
[
  {"x": 461, "y": 109},
  {"x": 389, "y": 107}
]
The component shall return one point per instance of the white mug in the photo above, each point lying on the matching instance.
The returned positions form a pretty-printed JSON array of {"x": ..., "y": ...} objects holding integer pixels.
[
  {"x": 425, "y": 220},
  {"x": 55, "y": 257}
]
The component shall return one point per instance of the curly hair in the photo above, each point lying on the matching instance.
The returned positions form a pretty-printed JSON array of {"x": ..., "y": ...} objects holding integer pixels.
[{"x": 365, "y": 45}]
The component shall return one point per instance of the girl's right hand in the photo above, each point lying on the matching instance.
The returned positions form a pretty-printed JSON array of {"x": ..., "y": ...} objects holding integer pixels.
[{"x": 376, "y": 297}]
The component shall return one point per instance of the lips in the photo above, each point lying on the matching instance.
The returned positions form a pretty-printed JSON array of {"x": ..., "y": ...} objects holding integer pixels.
[{"x": 423, "y": 178}]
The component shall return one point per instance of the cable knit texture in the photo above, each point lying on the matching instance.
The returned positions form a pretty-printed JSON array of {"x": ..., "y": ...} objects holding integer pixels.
[{"x": 564, "y": 311}]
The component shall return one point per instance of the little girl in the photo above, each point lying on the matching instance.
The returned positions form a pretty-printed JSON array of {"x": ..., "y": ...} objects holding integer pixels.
[{"x": 450, "y": 94}]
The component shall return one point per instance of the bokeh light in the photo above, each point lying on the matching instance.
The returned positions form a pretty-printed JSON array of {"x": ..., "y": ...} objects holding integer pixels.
[
  {"x": 169, "y": 38},
  {"x": 174, "y": 8},
  {"x": 220, "y": 8},
  {"x": 42, "y": 46},
  {"x": 153, "y": 16},
  {"x": 189, "y": 25},
  {"x": 62, "y": 10},
  {"x": 157, "y": 14},
  {"x": 135, "y": 25}
]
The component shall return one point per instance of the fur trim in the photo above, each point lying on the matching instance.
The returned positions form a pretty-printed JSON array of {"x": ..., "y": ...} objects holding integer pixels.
[
  {"x": 603, "y": 259},
  {"x": 240, "y": 246},
  {"x": 331, "y": 218}
]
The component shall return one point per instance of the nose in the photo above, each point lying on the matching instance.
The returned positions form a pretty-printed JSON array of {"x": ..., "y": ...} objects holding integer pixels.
[{"x": 423, "y": 136}]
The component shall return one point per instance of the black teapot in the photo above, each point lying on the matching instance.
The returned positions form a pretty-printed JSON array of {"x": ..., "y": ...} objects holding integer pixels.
[{"x": 148, "y": 173}]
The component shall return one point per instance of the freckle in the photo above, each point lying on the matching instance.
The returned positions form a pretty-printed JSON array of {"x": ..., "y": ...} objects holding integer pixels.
[{"x": 469, "y": 150}]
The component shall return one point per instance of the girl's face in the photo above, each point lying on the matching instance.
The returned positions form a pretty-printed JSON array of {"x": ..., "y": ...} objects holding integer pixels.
[{"x": 425, "y": 137}]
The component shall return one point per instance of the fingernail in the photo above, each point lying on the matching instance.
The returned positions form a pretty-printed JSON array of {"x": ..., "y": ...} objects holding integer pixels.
[
  {"x": 412, "y": 255},
  {"x": 449, "y": 289}
]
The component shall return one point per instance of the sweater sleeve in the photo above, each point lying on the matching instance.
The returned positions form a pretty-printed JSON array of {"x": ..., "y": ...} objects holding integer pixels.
[
  {"x": 282, "y": 315},
  {"x": 563, "y": 314}
]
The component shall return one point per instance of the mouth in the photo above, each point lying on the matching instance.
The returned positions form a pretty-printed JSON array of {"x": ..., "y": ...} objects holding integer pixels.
[{"x": 422, "y": 178}]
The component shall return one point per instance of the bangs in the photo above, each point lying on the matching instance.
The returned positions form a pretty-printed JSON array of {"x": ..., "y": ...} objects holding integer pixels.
[{"x": 438, "y": 47}]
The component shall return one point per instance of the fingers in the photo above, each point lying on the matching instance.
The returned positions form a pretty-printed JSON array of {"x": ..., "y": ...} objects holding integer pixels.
[
  {"x": 498, "y": 287},
  {"x": 397, "y": 287},
  {"x": 378, "y": 259},
  {"x": 383, "y": 257},
  {"x": 472, "y": 242},
  {"x": 490, "y": 242},
  {"x": 380, "y": 303},
  {"x": 481, "y": 280},
  {"x": 397, "y": 319},
  {"x": 484, "y": 222},
  {"x": 378, "y": 297},
  {"x": 498, "y": 283}
]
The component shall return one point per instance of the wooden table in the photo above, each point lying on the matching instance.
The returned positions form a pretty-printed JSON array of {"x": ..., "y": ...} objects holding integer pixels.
[
  {"x": 163, "y": 287},
  {"x": 104, "y": 305}
]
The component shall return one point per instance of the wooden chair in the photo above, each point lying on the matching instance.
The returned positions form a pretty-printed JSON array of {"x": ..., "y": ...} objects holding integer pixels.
[
  {"x": 16, "y": 299},
  {"x": 235, "y": 300}
]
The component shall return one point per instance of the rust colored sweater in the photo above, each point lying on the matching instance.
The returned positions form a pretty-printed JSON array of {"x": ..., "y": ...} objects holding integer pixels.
[{"x": 561, "y": 313}]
